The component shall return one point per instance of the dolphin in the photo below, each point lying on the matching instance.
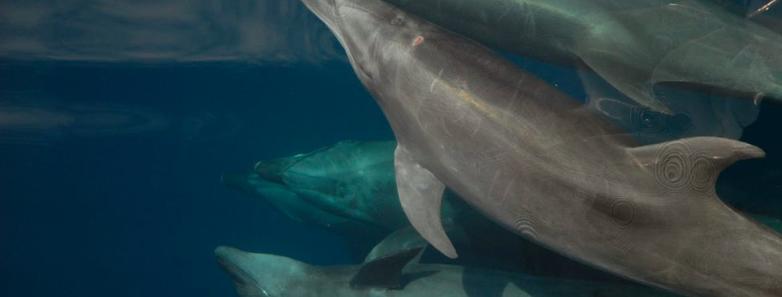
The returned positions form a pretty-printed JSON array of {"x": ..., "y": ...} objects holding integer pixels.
[
  {"x": 634, "y": 45},
  {"x": 349, "y": 182},
  {"x": 302, "y": 187},
  {"x": 693, "y": 112},
  {"x": 298, "y": 187},
  {"x": 397, "y": 275},
  {"x": 350, "y": 188},
  {"x": 520, "y": 152}
]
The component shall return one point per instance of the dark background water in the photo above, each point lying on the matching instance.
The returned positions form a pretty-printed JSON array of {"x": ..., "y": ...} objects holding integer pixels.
[
  {"x": 110, "y": 172},
  {"x": 139, "y": 213}
]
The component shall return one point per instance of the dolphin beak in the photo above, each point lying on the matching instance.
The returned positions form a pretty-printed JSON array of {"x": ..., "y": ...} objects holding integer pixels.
[
  {"x": 238, "y": 265},
  {"x": 273, "y": 170},
  {"x": 231, "y": 259}
]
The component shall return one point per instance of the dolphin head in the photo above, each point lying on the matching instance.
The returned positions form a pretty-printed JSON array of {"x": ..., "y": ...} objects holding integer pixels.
[
  {"x": 264, "y": 275},
  {"x": 359, "y": 25},
  {"x": 273, "y": 170},
  {"x": 346, "y": 186},
  {"x": 272, "y": 188}
]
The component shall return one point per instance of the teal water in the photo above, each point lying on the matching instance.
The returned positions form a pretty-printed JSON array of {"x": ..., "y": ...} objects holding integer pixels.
[
  {"x": 136, "y": 207},
  {"x": 110, "y": 169}
]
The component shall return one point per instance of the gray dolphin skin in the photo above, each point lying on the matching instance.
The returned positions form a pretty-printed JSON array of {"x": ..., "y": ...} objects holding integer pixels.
[
  {"x": 350, "y": 188},
  {"x": 693, "y": 112},
  {"x": 349, "y": 180},
  {"x": 518, "y": 150},
  {"x": 634, "y": 45},
  {"x": 397, "y": 275}
]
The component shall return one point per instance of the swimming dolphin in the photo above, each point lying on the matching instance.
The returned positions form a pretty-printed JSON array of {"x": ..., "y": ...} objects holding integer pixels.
[
  {"x": 350, "y": 188},
  {"x": 693, "y": 112},
  {"x": 634, "y": 45},
  {"x": 397, "y": 275},
  {"x": 350, "y": 182},
  {"x": 315, "y": 175},
  {"x": 516, "y": 149}
]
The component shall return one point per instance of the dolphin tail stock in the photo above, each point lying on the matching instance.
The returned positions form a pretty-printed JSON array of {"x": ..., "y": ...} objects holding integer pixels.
[{"x": 421, "y": 195}]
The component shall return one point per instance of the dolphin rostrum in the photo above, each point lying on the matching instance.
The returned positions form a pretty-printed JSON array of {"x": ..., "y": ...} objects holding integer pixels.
[
  {"x": 519, "y": 151},
  {"x": 634, "y": 45},
  {"x": 398, "y": 275}
]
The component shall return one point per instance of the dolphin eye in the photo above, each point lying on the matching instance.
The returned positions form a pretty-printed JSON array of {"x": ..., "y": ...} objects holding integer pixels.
[{"x": 398, "y": 20}]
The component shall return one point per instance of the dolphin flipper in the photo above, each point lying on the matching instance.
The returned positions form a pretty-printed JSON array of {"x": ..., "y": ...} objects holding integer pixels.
[{"x": 421, "y": 196}]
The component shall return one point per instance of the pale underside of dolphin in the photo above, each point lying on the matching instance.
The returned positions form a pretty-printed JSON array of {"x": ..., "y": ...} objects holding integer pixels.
[
  {"x": 634, "y": 45},
  {"x": 517, "y": 150}
]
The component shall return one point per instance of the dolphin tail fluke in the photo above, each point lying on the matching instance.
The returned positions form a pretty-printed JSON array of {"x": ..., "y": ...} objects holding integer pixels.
[{"x": 421, "y": 195}]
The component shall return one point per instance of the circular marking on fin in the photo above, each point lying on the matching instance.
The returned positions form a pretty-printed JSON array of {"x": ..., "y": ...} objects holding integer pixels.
[
  {"x": 703, "y": 173},
  {"x": 673, "y": 169},
  {"x": 418, "y": 40}
]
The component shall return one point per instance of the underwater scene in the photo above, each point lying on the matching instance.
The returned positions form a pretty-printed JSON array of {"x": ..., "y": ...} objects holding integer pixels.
[{"x": 391, "y": 148}]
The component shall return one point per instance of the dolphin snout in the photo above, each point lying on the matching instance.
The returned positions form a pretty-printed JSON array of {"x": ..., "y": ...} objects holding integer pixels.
[
  {"x": 230, "y": 260},
  {"x": 271, "y": 171}
]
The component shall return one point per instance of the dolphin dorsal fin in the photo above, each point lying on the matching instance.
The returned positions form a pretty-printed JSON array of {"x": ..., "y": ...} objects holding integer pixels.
[
  {"x": 385, "y": 272},
  {"x": 693, "y": 163}
]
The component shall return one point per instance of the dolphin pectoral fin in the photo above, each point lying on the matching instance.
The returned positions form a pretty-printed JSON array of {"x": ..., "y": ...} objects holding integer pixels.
[
  {"x": 385, "y": 272},
  {"x": 693, "y": 163},
  {"x": 421, "y": 195},
  {"x": 633, "y": 87}
]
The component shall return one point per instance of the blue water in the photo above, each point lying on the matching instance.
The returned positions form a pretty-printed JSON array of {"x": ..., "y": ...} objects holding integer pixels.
[
  {"x": 139, "y": 214},
  {"x": 110, "y": 173}
]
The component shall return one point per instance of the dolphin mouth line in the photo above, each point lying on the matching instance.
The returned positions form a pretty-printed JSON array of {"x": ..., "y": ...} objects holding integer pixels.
[{"x": 241, "y": 277}]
